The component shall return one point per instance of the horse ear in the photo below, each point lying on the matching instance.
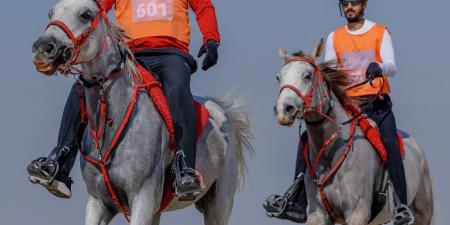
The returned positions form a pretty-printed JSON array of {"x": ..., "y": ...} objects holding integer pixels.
[
  {"x": 282, "y": 53},
  {"x": 318, "y": 50}
]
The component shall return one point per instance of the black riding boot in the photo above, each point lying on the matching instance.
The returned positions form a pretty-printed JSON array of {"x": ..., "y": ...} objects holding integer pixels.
[
  {"x": 292, "y": 205},
  {"x": 53, "y": 171},
  {"x": 382, "y": 114}
]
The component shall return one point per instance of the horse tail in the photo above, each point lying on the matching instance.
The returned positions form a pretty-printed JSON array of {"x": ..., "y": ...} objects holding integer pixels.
[{"x": 240, "y": 129}]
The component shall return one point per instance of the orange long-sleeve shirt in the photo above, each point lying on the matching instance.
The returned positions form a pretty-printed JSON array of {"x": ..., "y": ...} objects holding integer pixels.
[{"x": 163, "y": 23}]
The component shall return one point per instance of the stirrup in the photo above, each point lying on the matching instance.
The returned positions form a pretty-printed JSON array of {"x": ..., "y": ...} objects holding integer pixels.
[
  {"x": 276, "y": 205},
  {"x": 35, "y": 168},
  {"x": 403, "y": 215},
  {"x": 180, "y": 170}
]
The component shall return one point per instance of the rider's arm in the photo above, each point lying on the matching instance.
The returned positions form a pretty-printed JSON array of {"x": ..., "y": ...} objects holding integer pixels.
[
  {"x": 387, "y": 55},
  {"x": 206, "y": 19},
  {"x": 330, "y": 52}
]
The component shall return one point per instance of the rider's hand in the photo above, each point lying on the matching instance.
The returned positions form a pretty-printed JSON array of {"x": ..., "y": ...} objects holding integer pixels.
[
  {"x": 373, "y": 71},
  {"x": 210, "y": 49}
]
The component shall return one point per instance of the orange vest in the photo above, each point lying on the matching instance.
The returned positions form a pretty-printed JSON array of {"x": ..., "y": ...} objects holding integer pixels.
[
  {"x": 355, "y": 53},
  {"x": 154, "y": 18}
]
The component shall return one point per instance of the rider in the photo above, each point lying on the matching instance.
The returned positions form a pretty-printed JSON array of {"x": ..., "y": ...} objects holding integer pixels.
[
  {"x": 363, "y": 49},
  {"x": 160, "y": 40}
]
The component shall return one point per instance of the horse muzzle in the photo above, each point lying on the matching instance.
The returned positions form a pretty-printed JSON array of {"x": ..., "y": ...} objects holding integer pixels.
[
  {"x": 286, "y": 113},
  {"x": 49, "y": 54}
]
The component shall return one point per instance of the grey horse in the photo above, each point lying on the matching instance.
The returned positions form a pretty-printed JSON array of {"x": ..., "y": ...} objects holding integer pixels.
[
  {"x": 351, "y": 190},
  {"x": 139, "y": 162}
]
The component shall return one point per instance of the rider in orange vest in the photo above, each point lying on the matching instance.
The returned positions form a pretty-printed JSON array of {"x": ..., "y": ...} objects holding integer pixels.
[
  {"x": 159, "y": 36},
  {"x": 363, "y": 49}
]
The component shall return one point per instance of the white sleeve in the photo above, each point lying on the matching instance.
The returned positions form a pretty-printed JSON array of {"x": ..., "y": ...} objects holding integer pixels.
[
  {"x": 330, "y": 52},
  {"x": 387, "y": 56}
]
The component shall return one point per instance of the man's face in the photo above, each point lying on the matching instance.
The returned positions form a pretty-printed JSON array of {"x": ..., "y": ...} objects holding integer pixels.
[{"x": 353, "y": 11}]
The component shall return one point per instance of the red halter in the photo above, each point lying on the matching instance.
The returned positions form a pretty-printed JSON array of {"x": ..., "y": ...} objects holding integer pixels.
[
  {"x": 307, "y": 99},
  {"x": 78, "y": 41}
]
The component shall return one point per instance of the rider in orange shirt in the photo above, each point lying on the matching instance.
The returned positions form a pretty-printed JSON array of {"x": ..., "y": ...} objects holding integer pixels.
[
  {"x": 159, "y": 36},
  {"x": 364, "y": 50}
]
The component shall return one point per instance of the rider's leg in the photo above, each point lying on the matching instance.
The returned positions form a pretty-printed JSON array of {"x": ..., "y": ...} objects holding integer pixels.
[
  {"x": 296, "y": 210},
  {"x": 53, "y": 171},
  {"x": 175, "y": 77},
  {"x": 292, "y": 205},
  {"x": 382, "y": 114}
]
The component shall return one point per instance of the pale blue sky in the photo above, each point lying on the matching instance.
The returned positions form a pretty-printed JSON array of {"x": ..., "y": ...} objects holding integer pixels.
[{"x": 252, "y": 31}]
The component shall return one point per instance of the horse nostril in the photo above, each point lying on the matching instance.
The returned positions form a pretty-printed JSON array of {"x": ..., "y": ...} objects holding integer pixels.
[
  {"x": 50, "y": 49},
  {"x": 289, "y": 109}
]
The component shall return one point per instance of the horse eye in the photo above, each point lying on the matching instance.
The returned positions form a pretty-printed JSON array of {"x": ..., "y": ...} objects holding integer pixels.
[
  {"x": 278, "y": 78},
  {"x": 308, "y": 76},
  {"x": 87, "y": 15}
]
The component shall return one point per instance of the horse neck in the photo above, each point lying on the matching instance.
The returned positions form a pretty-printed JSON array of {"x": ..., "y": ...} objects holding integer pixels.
[
  {"x": 319, "y": 134},
  {"x": 117, "y": 91}
]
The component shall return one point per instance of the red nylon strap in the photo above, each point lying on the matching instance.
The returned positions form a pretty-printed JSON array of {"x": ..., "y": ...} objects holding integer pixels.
[
  {"x": 305, "y": 59},
  {"x": 64, "y": 28},
  {"x": 307, "y": 99},
  {"x": 312, "y": 169},
  {"x": 97, "y": 135}
]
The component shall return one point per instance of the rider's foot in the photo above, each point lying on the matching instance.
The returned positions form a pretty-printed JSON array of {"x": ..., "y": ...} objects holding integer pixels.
[
  {"x": 42, "y": 171},
  {"x": 190, "y": 186},
  {"x": 295, "y": 213},
  {"x": 279, "y": 207},
  {"x": 403, "y": 215}
]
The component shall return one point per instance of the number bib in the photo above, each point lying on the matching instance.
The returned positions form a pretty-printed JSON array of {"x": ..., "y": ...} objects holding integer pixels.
[{"x": 152, "y": 10}]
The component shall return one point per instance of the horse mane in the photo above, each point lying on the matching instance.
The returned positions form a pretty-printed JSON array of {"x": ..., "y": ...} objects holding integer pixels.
[
  {"x": 335, "y": 79},
  {"x": 118, "y": 38}
]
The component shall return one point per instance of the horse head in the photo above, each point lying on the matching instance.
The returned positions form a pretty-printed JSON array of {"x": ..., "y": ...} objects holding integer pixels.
[
  {"x": 76, "y": 34},
  {"x": 303, "y": 89}
]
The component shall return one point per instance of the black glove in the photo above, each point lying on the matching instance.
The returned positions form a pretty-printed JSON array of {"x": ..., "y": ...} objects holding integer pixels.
[
  {"x": 373, "y": 71},
  {"x": 210, "y": 49}
]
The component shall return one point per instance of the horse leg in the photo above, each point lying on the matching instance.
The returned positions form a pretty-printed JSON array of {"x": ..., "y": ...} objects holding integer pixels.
[
  {"x": 318, "y": 218},
  {"x": 422, "y": 205},
  {"x": 156, "y": 219},
  {"x": 216, "y": 205},
  {"x": 97, "y": 213},
  {"x": 144, "y": 205}
]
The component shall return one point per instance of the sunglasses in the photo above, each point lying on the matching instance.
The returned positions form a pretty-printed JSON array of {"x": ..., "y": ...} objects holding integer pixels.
[{"x": 346, "y": 3}]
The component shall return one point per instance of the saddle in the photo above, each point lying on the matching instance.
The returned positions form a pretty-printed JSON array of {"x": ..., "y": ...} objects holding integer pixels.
[
  {"x": 157, "y": 96},
  {"x": 372, "y": 134}
]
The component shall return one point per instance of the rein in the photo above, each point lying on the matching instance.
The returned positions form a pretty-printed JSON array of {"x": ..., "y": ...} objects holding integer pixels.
[
  {"x": 309, "y": 108},
  {"x": 101, "y": 162}
]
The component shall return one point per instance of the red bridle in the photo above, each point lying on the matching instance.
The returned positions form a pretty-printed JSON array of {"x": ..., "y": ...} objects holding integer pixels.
[
  {"x": 307, "y": 99},
  {"x": 308, "y": 107},
  {"x": 78, "y": 41}
]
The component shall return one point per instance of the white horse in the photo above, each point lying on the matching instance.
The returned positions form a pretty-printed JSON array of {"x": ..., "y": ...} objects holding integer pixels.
[
  {"x": 142, "y": 155},
  {"x": 313, "y": 92}
]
